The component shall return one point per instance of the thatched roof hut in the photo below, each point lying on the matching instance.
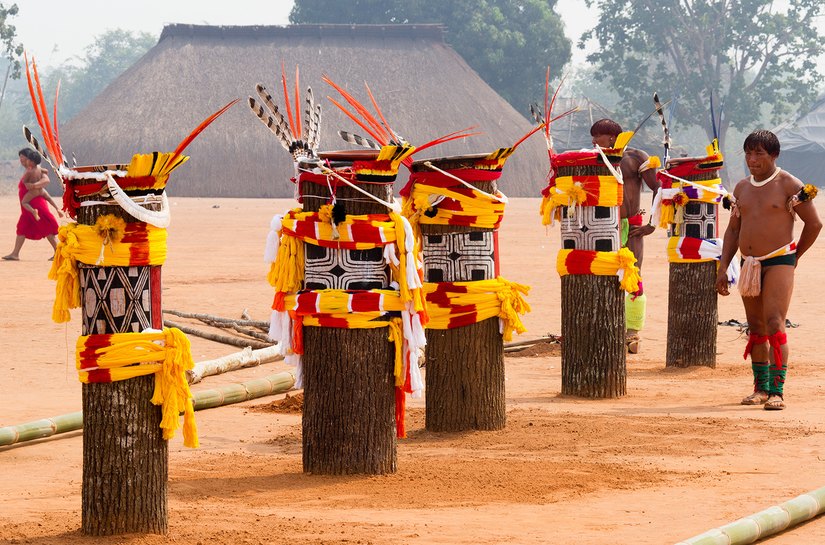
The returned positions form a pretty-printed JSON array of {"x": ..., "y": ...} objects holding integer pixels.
[{"x": 423, "y": 86}]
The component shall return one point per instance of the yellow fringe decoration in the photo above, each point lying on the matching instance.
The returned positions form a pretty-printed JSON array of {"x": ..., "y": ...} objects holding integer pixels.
[
  {"x": 99, "y": 244},
  {"x": 173, "y": 359}
]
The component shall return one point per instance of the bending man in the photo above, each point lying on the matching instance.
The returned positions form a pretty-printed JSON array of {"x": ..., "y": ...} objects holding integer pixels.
[{"x": 636, "y": 168}]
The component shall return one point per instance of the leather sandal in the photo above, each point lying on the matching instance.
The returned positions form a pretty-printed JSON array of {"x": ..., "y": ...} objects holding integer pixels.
[
  {"x": 757, "y": 398},
  {"x": 775, "y": 403}
]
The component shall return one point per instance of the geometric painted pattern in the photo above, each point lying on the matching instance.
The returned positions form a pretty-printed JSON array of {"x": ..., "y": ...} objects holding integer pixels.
[
  {"x": 700, "y": 221},
  {"x": 332, "y": 268},
  {"x": 591, "y": 228},
  {"x": 459, "y": 257},
  {"x": 115, "y": 299}
]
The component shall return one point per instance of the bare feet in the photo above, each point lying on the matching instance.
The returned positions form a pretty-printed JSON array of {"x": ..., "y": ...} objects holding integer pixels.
[
  {"x": 10, "y": 257},
  {"x": 757, "y": 398},
  {"x": 632, "y": 341},
  {"x": 775, "y": 403}
]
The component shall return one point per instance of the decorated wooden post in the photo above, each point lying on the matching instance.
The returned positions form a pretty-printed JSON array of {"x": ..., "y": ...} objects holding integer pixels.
[
  {"x": 348, "y": 305},
  {"x": 458, "y": 208},
  {"x": 691, "y": 191},
  {"x": 585, "y": 195},
  {"x": 132, "y": 369}
]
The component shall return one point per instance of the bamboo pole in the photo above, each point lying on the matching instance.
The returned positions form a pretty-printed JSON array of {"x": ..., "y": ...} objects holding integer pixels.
[
  {"x": 204, "y": 399},
  {"x": 764, "y": 523},
  {"x": 232, "y": 362},
  {"x": 223, "y": 339}
]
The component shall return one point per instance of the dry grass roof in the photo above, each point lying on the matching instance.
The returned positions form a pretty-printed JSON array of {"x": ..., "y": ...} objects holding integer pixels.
[{"x": 423, "y": 86}]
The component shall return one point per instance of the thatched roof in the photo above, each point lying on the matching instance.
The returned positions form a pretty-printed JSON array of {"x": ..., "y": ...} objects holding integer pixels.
[{"x": 423, "y": 86}]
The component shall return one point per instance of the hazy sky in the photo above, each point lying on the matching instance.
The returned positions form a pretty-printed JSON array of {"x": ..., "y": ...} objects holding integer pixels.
[{"x": 56, "y": 30}]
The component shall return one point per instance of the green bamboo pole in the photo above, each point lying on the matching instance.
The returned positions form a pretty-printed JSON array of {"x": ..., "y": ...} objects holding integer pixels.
[
  {"x": 205, "y": 399},
  {"x": 764, "y": 523}
]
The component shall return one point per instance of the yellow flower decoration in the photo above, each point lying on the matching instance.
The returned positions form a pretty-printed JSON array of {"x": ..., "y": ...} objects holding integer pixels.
[{"x": 110, "y": 228}]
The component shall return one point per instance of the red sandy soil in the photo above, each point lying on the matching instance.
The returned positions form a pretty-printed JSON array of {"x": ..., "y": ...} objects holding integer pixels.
[{"x": 674, "y": 457}]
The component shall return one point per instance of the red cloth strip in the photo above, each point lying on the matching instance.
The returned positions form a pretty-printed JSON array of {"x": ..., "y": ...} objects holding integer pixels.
[
  {"x": 689, "y": 247},
  {"x": 366, "y": 301},
  {"x": 754, "y": 339},
  {"x": 777, "y": 340},
  {"x": 306, "y": 303},
  {"x": 100, "y": 375},
  {"x": 636, "y": 220}
]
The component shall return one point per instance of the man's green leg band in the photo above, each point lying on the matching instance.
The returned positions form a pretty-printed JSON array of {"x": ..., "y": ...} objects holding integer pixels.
[
  {"x": 777, "y": 379},
  {"x": 761, "y": 376}
]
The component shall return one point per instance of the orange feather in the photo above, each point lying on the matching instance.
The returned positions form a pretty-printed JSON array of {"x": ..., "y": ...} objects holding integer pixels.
[
  {"x": 194, "y": 134},
  {"x": 361, "y": 110},
  {"x": 286, "y": 100},
  {"x": 55, "y": 145},
  {"x": 378, "y": 137},
  {"x": 37, "y": 113},
  {"x": 297, "y": 104},
  {"x": 377, "y": 109}
]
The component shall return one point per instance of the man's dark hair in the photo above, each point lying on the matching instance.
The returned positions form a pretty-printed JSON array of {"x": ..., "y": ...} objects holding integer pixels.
[
  {"x": 30, "y": 154},
  {"x": 605, "y": 126},
  {"x": 762, "y": 139}
]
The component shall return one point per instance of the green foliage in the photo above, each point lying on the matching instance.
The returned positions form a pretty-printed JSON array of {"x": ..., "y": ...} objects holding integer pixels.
[
  {"x": 509, "y": 43},
  {"x": 8, "y": 33},
  {"x": 747, "y": 52},
  {"x": 104, "y": 60}
]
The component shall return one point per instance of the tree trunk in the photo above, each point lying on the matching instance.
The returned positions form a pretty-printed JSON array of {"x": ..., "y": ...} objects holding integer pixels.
[
  {"x": 349, "y": 388},
  {"x": 465, "y": 378},
  {"x": 125, "y": 458},
  {"x": 593, "y": 351},
  {"x": 692, "y": 315},
  {"x": 349, "y": 402}
]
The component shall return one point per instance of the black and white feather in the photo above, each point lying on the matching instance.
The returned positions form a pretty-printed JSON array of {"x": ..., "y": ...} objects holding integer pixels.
[{"x": 358, "y": 140}]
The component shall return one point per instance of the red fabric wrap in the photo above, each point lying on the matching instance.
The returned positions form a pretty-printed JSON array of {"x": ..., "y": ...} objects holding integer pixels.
[
  {"x": 754, "y": 339},
  {"x": 581, "y": 158},
  {"x": 636, "y": 220},
  {"x": 580, "y": 262},
  {"x": 439, "y": 180},
  {"x": 696, "y": 167},
  {"x": 777, "y": 340}
]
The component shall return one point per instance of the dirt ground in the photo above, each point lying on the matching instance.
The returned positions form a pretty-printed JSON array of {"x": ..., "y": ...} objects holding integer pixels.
[{"x": 674, "y": 457}]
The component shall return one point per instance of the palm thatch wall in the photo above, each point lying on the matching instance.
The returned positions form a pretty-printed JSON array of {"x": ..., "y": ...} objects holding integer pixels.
[{"x": 423, "y": 86}]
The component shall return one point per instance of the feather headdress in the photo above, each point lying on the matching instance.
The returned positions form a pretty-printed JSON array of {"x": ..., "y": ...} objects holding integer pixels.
[
  {"x": 544, "y": 116},
  {"x": 53, "y": 153},
  {"x": 297, "y": 136},
  {"x": 377, "y": 127}
]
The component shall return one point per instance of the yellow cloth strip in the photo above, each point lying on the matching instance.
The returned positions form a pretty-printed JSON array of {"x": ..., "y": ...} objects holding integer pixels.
[
  {"x": 325, "y": 232},
  {"x": 94, "y": 245},
  {"x": 494, "y": 297},
  {"x": 487, "y": 211},
  {"x": 675, "y": 256},
  {"x": 337, "y": 301},
  {"x": 608, "y": 264},
  {"x": 173, "y": 359},
  {"x": 569, "y": 192}
]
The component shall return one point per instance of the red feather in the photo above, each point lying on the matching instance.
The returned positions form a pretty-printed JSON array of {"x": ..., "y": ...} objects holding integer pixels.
[
  {"x": 533, "y": 131},
  {"x": 365, "y": 114},
  {"x": 547, "y": 104},
  {"x": 297, "y": 105},
  {"x": 194, "y": 134},
  {"x": 378, "y": 137},
  {"x": 286, "y": 100},
  {"x": 56, "y": 133},
  {"x": 377, "y": 109},
  {"x": 55, "y": 145}
]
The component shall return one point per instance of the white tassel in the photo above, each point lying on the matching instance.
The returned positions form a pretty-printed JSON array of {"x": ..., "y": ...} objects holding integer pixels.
[
  {"x": 273, "y": 239},
  {"x": 656, "y": 211}
]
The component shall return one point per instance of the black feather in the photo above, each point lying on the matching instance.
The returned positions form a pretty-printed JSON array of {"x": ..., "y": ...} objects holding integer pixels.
[{"x": 339, "y": 213}]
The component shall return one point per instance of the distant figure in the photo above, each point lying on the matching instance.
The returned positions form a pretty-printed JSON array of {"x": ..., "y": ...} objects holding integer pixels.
[
  {"x": 636, "y": 168},
  {"x": 36, "y": 221},
  {"x": 32, "y": 176},
  {"x": 764, "y": 207}
]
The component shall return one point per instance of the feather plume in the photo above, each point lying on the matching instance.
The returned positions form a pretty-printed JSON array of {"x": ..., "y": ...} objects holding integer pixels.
[
  {"x": 286, "y": 102},
  {"x": 278, "y": 117},
  {"x": 261, "y": 113},
  {"x": 358, "y": 140},
  {"x": 538, "y": 115},
  {"x": 666, "y": 138},
  {"x": 298, "y": 132},
  {"x": 194, "y": 134},
  {"x": 313, "y": 118},
  {"x": 54, "y": 144},
  {"x": 27, "y": 134}
]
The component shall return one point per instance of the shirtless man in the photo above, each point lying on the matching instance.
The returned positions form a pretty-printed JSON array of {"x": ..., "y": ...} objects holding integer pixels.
[
  {"x": 636, "y": 168},
  {"x": 761, "y": 228}
]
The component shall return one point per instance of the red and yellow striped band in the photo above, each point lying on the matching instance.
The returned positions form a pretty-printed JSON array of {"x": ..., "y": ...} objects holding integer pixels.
[
  {"x": 457, "y": 304},
  {"x": 693, "y": 250},
  {"x": 621, "y": 264},
  {"x": 111, "y": 242},
  {"x": 167, "y": 354},
  {"x": 460, "y": 206},
  {"x": 567, "y": 191},
  {"x": 356, "y": 233}
]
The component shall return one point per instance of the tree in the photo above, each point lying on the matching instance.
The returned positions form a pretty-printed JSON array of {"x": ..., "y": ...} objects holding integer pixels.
[
  {"x": 748, "y": 53},
  {"x": 508, "y": 42},
  {"x": 11, "y": 51},
  {"x": 105, "y": 59}
]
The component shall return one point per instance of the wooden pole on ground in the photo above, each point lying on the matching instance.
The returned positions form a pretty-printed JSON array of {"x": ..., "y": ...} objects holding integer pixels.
[
  {"x": 464, "y": 366},
  {"x": 692, "y": 313},
  {"x": 125, "y": 458},
  {"x": 348, "y": 424}
]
